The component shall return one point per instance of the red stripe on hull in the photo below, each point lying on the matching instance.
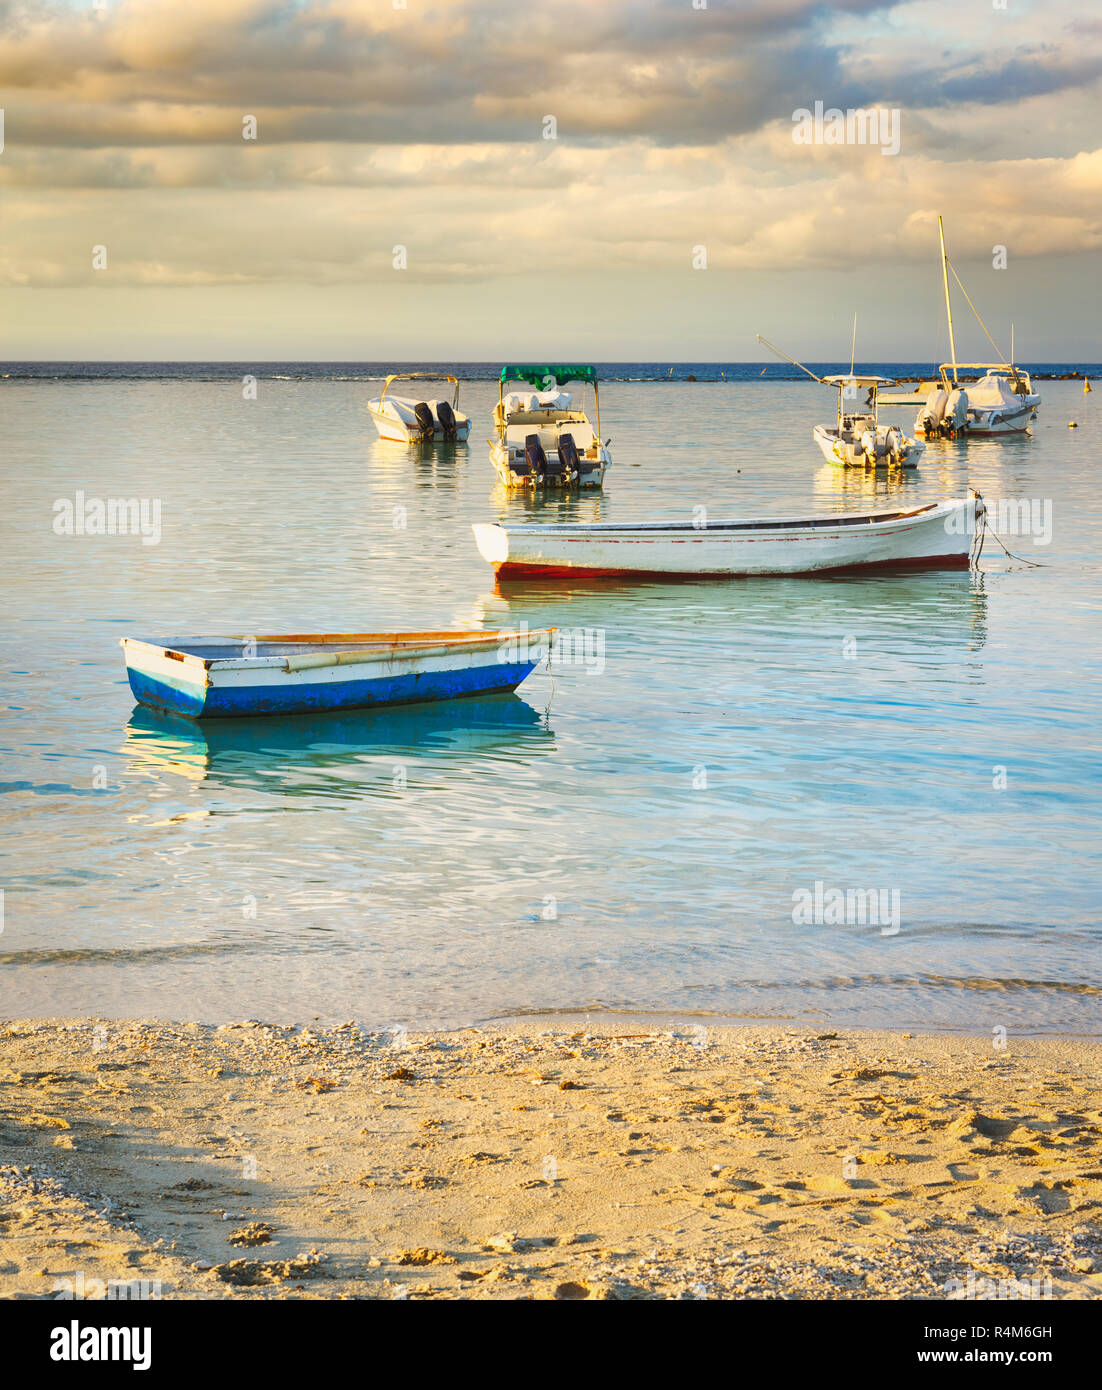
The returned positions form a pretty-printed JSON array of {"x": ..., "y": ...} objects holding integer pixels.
[{"x": 516, "y": 569}]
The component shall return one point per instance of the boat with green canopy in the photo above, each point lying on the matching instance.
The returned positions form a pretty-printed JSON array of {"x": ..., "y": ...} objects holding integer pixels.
[{"x": 541, "y": 438}]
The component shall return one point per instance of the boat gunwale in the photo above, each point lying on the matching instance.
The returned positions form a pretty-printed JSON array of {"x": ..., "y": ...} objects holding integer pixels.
[
  {"x": 372, "y": 646},
  {"x": 848, "y": 519}
]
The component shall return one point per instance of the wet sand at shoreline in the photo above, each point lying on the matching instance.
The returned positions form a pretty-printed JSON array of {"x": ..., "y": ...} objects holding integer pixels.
[{"x": 598, "y": 1161}]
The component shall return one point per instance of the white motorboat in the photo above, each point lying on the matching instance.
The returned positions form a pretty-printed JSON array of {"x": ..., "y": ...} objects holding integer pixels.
[
  {"x": 858, "y": 439},
  {"x": 542, "y": 438},
  {"x": 963, "y": 402},
  {"x": 939, "y": 535},
  {"x": 417, "y": 419}
]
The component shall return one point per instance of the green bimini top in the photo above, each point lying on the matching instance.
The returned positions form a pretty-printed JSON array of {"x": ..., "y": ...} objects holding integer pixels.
[{"x": 541, "y": 376}]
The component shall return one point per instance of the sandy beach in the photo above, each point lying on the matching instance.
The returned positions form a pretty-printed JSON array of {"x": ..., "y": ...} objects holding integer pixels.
[{"x": 578, "y": 1161}]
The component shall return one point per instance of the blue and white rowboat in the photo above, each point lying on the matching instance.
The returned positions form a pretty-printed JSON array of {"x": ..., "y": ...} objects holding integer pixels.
[{"x": 216, "y": 677}]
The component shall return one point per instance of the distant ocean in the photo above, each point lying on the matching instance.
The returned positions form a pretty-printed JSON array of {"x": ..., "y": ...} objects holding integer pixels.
[{"x": 486, "y": 371}]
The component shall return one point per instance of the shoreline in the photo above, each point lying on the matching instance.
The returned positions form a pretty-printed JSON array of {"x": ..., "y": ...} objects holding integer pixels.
[
  {"x": 540, "y": 1159},
  {"x": 672, "y": 1019}
]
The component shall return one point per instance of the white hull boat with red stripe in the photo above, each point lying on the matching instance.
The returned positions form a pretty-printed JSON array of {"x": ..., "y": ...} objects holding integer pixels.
[{"x": 937, "y": 536}]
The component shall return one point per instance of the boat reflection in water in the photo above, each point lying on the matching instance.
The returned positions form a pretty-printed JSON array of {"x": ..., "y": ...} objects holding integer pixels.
[
  {"x": 936, "y": 615},
  {"x": 897, "y": 487},
  {"x": 558, "y": 505},
  {"x": 345, "y": 752},
  {"x": 429, "y": 465}
]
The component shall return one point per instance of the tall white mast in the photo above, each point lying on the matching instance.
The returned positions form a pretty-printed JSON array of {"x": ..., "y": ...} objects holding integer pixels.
[{"x": 948, "y": 304}]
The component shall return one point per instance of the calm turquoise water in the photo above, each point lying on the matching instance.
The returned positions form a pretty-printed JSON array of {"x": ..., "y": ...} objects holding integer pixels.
[{"x": 636, "y": 846}]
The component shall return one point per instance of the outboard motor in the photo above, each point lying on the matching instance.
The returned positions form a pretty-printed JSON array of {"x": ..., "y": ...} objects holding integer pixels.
[
  {"x": 868, "y": 443},
  {"x": 425, "y": 420},
  {"x": 956, "y": 411},
  {"x": 568, "y": 453},
  {"x": 535, "y": 458},
  {"x": 932, "y": 414},
  {"x": 447, "y": 419},
  {"x": 894, "y": 441}
]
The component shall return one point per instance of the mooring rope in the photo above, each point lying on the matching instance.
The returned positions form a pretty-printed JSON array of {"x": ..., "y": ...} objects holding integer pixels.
[
  {"x": 977, "y": 549},
  {"x": 977, "y": 538}
]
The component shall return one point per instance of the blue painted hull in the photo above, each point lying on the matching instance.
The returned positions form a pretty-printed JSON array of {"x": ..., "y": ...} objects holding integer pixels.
[{"x": 299, "y": 698}]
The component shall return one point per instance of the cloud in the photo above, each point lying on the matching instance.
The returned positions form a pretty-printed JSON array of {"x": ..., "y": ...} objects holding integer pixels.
[
  {"x": 379, "y": 126},
  {"x": 322, "y": 216},
  {"x": 457, "y": 71}
]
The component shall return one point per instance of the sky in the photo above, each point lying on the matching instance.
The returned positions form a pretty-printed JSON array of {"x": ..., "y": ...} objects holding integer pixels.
[{"x": 486, "y": 179}]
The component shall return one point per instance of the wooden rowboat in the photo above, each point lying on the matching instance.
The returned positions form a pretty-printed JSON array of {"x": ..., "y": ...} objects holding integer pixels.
[
  {"x": 215, "y": 677},
  {"x": 937, "y": 536}
]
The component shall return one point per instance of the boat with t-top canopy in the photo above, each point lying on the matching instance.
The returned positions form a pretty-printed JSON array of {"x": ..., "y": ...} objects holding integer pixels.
[{"x": 541, "y": 438}]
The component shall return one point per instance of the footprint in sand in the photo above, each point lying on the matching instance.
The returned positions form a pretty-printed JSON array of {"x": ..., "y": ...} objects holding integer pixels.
[
  {"x": 962, "y": 1174},
  {"x": 1045, "y": 1197}
]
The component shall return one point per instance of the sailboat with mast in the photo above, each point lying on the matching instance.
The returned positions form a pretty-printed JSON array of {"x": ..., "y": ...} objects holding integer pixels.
[{"x": 971, "y": 398}]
